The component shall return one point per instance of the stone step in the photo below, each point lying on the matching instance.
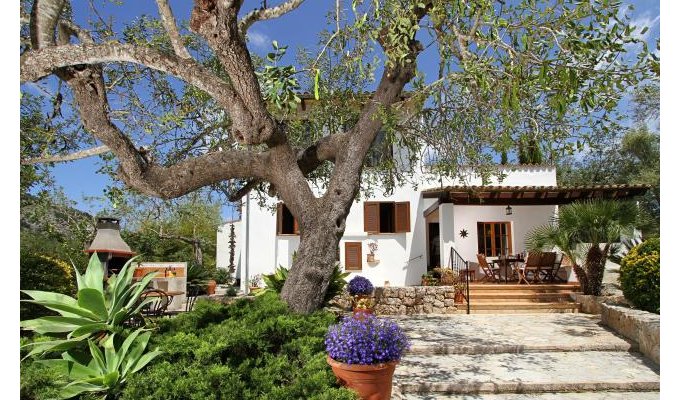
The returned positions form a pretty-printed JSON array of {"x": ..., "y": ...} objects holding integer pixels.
[
  {"x": 486, "y": 334},
  {"x": 533, "y": 396},
  {"x": 463, "y": 310},
  {"x": 545, "y": 372},
  {"x": 514, "y": 306},
  {"x": 510, "y": 297},
  {"x": 533, "y": 288}
]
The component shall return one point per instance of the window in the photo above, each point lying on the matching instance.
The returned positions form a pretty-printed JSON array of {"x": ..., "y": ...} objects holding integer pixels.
[
  {"x": 494, "y": 238},
  {"x": 352, "y": 256},
  {"x": 286, "y": 224},
  {"x": 387, "y": 217}
]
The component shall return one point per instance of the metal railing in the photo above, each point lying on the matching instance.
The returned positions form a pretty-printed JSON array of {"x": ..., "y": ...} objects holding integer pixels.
[{"x": 462, "y": 268}]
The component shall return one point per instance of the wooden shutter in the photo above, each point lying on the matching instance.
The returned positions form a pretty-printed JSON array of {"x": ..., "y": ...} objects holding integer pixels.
[
  {"x": 402, "y": 216},
  {"x": 352, "y": 256},
  {"x": 279, "y": 218},
  {"x": 296, "y": 227},
  {"x": 371, "y": 217}
]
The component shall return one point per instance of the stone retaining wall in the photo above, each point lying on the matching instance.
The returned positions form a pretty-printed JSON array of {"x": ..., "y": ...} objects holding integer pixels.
[
  {"x": 410, "y": 300},
  {"x": 639, "y": 326}
]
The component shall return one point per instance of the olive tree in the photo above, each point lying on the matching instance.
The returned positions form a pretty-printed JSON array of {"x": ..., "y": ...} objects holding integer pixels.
[{"x": 180, "y": 110}]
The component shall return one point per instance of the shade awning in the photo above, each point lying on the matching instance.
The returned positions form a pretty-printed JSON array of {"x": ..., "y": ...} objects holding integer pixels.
[{"x": 531, "y": 195}]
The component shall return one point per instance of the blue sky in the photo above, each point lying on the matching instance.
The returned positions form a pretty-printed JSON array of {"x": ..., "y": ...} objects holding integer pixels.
[{"x": 297, "y": 29}]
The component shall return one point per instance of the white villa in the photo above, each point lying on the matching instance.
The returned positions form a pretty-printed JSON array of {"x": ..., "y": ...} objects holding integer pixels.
[{"x": 416, "y": 228}]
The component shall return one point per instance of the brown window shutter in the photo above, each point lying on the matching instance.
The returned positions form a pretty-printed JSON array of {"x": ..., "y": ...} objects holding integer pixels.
[
  {"x": 296, "y": 227},
  {"x": 279, "y": 218},
  {"x": 371, "y": 217},
  {"x": 352, "y": 256},
  {"x": 402, "y": 216}
]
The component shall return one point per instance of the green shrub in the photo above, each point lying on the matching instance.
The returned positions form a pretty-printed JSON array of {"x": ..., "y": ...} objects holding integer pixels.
[
  {"x": 252, "y": 349},
  {"x": 40, "y": 272},
  {"x": 640, "y": 275},
  {"x": 38, "y": 381},
  {"x": 231, "y": 292},
  {"x": 222, "y": 276}
]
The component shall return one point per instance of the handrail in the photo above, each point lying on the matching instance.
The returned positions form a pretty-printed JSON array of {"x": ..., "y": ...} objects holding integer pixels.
[{"x": 456, "y": 263}]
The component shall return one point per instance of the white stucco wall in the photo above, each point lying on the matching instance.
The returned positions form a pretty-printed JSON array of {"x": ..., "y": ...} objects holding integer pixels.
[{"x": 402, "y": 256}]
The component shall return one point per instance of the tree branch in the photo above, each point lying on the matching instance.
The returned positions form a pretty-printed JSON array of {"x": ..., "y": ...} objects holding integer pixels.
[
  {"x": 267, "y": 13},
  {"x": 36, "y": 64},
  {"x": 217, "y": 23},
  {"x": 67, "y": 157},
  {"x": 44, "y": 17},
  {"x": 171, "y": 28}
]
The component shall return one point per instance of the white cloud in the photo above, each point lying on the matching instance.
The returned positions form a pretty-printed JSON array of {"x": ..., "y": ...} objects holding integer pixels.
[{"x": 259, "y": 40}]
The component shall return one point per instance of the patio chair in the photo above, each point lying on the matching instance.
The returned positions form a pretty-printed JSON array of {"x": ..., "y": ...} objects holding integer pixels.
[
  {"x": 192, "y": 294},
  {"x": 550, "y": 275},
  {"x": 490, "y": 273},
  {"x": 546, "y": 266},
  {"x": 160, "y": 304},
  {"x": 531, "y": 266}
]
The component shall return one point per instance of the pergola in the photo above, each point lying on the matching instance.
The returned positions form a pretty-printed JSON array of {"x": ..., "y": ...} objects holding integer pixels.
[{"x": 529, "y": 195}]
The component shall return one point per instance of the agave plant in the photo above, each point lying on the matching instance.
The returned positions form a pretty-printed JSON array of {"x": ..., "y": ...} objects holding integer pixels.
[
  {"x": 107, "y": 371},
  {"x": 97, "y": 312}
]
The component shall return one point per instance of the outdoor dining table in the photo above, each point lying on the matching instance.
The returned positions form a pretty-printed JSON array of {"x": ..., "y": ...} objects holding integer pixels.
[{"x": 507, "y": 262}]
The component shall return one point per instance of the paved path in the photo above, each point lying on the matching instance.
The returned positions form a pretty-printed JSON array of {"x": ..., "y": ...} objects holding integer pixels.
[{"x": 520, "y": 357}]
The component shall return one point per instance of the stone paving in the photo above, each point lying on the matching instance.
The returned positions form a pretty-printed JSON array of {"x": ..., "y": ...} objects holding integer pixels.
[
  {"x": 520, "y": 357},
  {"x": 496, "y": 333}
]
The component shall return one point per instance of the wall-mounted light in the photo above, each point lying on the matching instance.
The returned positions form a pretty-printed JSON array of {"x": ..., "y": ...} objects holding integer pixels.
[{"x": 508, "y": 210}]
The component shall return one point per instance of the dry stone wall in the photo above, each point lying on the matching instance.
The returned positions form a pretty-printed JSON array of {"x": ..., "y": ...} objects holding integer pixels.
[
  {"x": 639, "y": 326},
  {"x": 409, "y": 300}
]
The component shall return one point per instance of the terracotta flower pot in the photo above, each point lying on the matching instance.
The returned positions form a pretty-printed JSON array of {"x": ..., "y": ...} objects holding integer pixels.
[
  {"x": 360, "y": 313},
  {"x": 371, "y": 382},
  {"x": 459, "y": 298},
  {"x": 212, "y": 284}
]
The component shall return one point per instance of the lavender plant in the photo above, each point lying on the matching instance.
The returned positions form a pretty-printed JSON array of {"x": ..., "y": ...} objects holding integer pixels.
[
  {"x": 359, "y": 286},
  {"x": 365, "y": 341}
]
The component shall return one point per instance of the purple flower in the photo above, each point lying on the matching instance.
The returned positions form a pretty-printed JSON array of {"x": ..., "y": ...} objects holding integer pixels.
[
  {"x": 365, "y": 341},
  {"x": 359, "y": 285}
]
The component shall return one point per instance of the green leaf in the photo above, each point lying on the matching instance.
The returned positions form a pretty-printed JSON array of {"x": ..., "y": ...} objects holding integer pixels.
[
  {"x": 316, "y": 84},
  {"x": 75, "y": 388},
  {"x": 94, "y": 275},
  {"x": 66, "y": 310},
  {"x": 90, "y": 329},
  {"x": 93, "y": 300},
  {"x": 54, "y": 324}
]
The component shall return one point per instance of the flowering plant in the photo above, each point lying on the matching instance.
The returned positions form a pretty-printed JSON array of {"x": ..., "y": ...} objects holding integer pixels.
[
  {"x": 256, "y": 280},
  {"x": 366, "y": 341},
  {"x": 359, "y": 285}
]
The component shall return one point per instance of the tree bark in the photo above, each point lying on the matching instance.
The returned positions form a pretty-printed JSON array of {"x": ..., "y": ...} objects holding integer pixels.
[
  {"x": 306, "y": 285},
  {"x": 594, "y": 265}
]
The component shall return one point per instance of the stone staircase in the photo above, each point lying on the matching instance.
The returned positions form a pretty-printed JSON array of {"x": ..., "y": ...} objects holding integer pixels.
[
  {"x": 512, "y": 298},
  {"x": 520, "y": 357}
]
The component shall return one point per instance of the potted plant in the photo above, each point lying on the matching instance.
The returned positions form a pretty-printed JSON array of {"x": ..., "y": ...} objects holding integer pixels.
[
  {"x": 429, "y": 280},
  {"x": 361, "y": 290},
  {"x": 372, "y": 248},
  {"x": 255, "y": 283},
  {"x": 363, "y": 354},
  {"x": 459, "y": 295}
]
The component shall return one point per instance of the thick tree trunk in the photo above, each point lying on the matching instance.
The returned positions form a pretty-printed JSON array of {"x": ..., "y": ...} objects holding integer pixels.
[
  {"x": 310, "y": 275},
  {"x": 594, "y": 265},
  {"x": 582, "y": 277}
]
